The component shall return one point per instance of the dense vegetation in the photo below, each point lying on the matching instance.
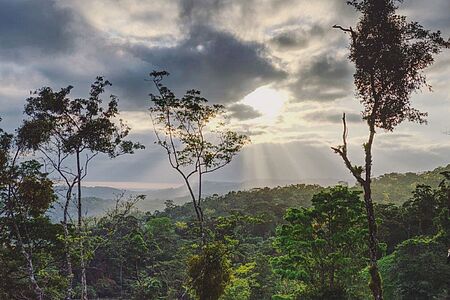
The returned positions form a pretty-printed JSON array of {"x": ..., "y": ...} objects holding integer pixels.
[{"x": 294, "y": 242}]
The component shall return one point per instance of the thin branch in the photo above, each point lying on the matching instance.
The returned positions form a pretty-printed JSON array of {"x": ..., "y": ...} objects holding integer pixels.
[
  {"x": 350, "y": 30},
  {"x": 342, "y": 151},
  {"x": 88, "y": 159}
]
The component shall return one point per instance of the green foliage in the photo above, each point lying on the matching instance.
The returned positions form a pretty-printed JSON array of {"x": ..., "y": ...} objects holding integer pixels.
[
  {"x": 397, "y": 188},
  {"x": 392, "y": 228},
  {"x": 146, "y": 287},
  {"x": 50, "y": 277},
  {"x": 182, "y": 125},
  {"x": 290, "y": 289},
  {"x": 46, "y": 259},
  {"x": 421, "y": 210},
  {"x": 424, "y": 214},
  {"x": 140, "y": 257},
  {"x": 194, "y": 136},
  {"x": 319, "y": 247},
  {"x": 242, "y": 280},
  {"x": 76, "y": 124},
  {"x": 390, "y": 55},
  {"x": 209, "y": 271},
  {"x": 267, "y": 204},
  {"x": 60, "y": 128},
  {"x": 323, "y": 246},
  {"x": 419, "y": 270},
  {"x": 385, "y": 265},
  {"x": 30, "y": 251}
]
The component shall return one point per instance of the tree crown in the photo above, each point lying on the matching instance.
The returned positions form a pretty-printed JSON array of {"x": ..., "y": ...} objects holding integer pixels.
[
  {"x": 390, "y": 55},
  {"x": 76, "y": 124},
  {"x": 184, "y": 128}
]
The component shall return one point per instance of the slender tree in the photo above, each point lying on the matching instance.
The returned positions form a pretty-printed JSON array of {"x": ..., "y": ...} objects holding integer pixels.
[
  {"x": 390, "y": 55},
  {"x": 25, "y": 195},
  {"x": 69, "y": 133},
  {"x": 184, "y": 128}
]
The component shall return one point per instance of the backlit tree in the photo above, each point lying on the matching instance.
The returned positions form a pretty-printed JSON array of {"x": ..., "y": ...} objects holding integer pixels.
[{"x": 390, "y": 54}]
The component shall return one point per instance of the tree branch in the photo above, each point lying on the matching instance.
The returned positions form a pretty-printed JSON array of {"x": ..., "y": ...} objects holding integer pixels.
[
  {"x": 342, "y": 151},
  {"x": 350, "y": 30}
]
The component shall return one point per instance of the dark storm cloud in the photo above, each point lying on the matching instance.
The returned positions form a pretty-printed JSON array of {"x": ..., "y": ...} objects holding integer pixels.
[
  {"x": 219, "y": 64},
  {"x": 296, "y": 38},
  {"x": 198, "y": 11},
  {"x": 324, "y": 116},
  {"x": 203, "y": 11},
  {"x": 242, "y": 112},
  {"x": 34, "y": 27},
  {"x": 326, "y": 78},
  {"x": 433, "y": 14},
  {"x": 223, "y": 67}
]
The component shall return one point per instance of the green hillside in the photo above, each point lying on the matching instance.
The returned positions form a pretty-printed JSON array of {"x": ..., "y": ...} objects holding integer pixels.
[{"x": 397, "y": 187}]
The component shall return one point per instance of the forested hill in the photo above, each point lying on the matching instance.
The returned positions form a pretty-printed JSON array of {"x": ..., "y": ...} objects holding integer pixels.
[
  {"x": 268, "y": 203},
  {"x": 388, "y": 188},
  {"x": 397, "y": 187}
]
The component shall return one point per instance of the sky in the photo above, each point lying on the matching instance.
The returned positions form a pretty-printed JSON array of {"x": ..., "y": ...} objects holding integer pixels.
[{"x": 277, "y": 65}]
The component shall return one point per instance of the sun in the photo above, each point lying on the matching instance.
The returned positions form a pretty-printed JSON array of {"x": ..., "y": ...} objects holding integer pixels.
[{"x": 267, "y": 101}]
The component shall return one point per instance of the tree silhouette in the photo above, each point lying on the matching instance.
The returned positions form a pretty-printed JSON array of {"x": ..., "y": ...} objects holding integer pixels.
[
  {"x": 390, "y": 55},
  {"x": 183, "y": 127},
  {"x": 69, "y": 133}
]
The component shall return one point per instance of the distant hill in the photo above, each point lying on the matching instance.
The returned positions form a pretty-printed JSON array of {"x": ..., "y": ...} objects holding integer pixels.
[
  {"x": 98, "y": 199},
  {"x": 397, "y": 187},
  {"x": 392, "y": 187},
  {"x": 209, "y": 188}
]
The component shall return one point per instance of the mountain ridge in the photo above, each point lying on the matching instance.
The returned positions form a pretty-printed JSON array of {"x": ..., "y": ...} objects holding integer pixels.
[{"x": 387, "y": 188}]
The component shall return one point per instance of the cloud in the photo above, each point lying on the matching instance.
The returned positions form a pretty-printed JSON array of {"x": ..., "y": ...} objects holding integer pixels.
[
  {"x": 295, "y": 37},
  {"x": 325, "y": 78},
  {"x": 432, "y": 14},
  {"x": 198, "y": 11},
  {"x": 151, "y": 22},
  {"x": 330, "y": 117},
  {"x": 35, "y": 28},
  {"x": 216, "y": 62},
  {"x": 242, "y": 112},
  {"x": 223, "y": 67},
  {"x": 407, "y": 157}
]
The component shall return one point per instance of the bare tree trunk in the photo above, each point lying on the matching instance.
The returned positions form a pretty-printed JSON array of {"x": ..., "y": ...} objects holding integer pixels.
[
  {"x": 37, "y": 289},
  {"x": 197, "y": 208},
  {"x": 84, "y": 293},
  {"x": 375, "y": 282},
  {"x": 69, "y": 270},
  {"x": 30, "y": 267},
  {"x": 199, "y": 204}
]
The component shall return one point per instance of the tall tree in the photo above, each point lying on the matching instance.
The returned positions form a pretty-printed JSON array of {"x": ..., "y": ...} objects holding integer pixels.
[
  {"x": 25, "y": 195},
  {"x": 390, "y": 55},
  {"x": 69, "y": 133},
  {"x": 184, "y": 128}
]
